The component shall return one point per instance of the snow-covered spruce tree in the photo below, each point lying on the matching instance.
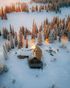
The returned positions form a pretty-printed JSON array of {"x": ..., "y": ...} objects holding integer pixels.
[
  {"x": 34, "y": 30},
  {"x": 7, "y": 45},
  {"x": 68, "y": 28},
  {"x": 5, "y": 33},
  {"x": 0, "y": 32},
  {"x": 11, "y": 41},
  {"x": 37, "y": 8},
  {"x": 15, "y": 39},
  {"x": 20, "y": 40},
  {"x": 45, "y": 29},
  {"x": 51, "y": 36},
  {"x": 12, "y": 30},
  {"x": 18, "y": 8},
  {"x": 22, "y": 29},
  {"x": 33, "y": 9},
  {"x": 4, "y": 16},
  {"x": 5, "y": 51},
  {"x": 8, "y": 9},
  {"x": 13, "y": 8},
  {"x": 24, "y": 7},
  {"x": 54, "y": 25},
  {"x": 40, "y": 28},
  {"x": 2, "y": 13},
  {"x": 28, "y": 32},
  {"x": 60, "y": 30},
  {"x": 39, "y": 38},
  {"x": 26, "y": 42},
  {"x": 55, "y": 32},
  {"x": 41, "y": 8},
  {"x": 25, "y": 33}
]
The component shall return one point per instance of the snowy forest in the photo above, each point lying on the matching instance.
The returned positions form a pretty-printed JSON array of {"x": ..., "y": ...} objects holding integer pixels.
[{"x": 35, "y": 44}]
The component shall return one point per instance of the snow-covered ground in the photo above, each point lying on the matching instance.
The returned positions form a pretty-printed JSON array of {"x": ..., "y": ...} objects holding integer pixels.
[{"x": 54, "y": 72}]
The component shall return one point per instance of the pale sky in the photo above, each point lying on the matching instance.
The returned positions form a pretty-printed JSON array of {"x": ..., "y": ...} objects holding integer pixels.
[{"x": 8, "y": 2}]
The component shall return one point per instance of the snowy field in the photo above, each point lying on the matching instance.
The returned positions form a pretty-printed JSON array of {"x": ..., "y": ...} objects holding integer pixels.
[
  {"x": 55, "y": 72},
  {"x": 56, "y": 68}
]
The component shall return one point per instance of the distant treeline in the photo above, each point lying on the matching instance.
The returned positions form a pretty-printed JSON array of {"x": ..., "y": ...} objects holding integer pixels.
[
  {"x": 59, "y": 3},
  {"x": 19, "y": 7}
]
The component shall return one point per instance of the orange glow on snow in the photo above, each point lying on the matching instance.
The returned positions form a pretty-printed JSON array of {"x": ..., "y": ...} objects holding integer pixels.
[{"x": 47, "y": 41}]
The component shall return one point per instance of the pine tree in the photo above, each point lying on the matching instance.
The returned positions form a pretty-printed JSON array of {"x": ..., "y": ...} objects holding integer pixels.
[
  {"x": 39, "y": 38},
  {"x": 4, "y": 16},
  {"x": 21, "y": 40},
  {"x": 8, "y": 46},
  {"x": 46, "y": 29},
  {"x": 5, "y": 33},
  {"x": 33, "y": 34},
  {"x": 11, "y": 41},
  {"x": 40, "y": 28},
  {"x": 26, "y": 42},
  {"x": 12, "y": 30},
  {"x": 24, "y": 7},
  {"x": 36, "y": 8},
  {"x": 0, "y": 33},
  {"x": 51, "y": 36},
  {"x": 25, "y": 34},
  {"x": 5, "y": 51},
  {"x": 68, "y": 28},
  {"x": 15, "y": 39},
  {"x": 33, "y": 9},
  {"x": 34, "y": 30},
  {"x": 13, "y": 8}
]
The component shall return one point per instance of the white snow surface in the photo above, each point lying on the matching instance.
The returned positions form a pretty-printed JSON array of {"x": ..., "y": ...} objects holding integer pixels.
[{"x": 54, "y": 72}]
